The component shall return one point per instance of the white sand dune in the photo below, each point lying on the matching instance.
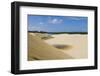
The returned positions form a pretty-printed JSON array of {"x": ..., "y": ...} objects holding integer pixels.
[
  {"x": 78, "y": 44},
  {"x": 40, "y": 50}
]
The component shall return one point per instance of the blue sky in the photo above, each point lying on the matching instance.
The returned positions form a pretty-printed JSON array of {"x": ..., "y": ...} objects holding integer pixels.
[{"x": 57, "y": 23}]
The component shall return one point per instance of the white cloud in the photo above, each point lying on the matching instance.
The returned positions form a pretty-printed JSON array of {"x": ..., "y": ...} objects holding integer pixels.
[
  {"x": 34, "y": 28},
  {"x": 41, "y": 23},
  {"x": 55, "y": 21},
  {"x": 76, "y": 18}
]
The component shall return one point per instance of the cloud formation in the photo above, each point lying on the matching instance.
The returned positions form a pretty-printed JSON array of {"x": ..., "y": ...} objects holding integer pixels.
[
  {"x": 41, "y": 23},
  {"x": 55, "y": 21},
  {"x": 33, "y": 27},
  {"x": 76, "y": 18}
]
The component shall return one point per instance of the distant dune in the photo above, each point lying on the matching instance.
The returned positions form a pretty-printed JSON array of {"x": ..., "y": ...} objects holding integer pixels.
[{"x": 40, "y": 50}]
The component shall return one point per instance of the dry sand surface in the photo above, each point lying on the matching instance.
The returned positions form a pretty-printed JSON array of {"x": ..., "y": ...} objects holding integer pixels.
[
  {"x": 61, "y": 46},
  {"x": 76, "y": 44},
  {"x": 39, "y": 50}
]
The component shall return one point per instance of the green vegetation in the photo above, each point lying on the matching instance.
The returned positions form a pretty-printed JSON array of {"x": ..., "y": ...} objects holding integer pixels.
[
  {"x": 43, "y": 32},
  {"x": 69, "y": 33}
]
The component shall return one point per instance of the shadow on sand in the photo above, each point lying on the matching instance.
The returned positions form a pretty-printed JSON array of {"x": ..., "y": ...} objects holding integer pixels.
[{"x": 60, "y": 46}]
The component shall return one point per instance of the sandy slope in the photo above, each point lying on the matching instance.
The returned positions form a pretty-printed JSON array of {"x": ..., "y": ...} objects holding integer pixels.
[
  {"x": 40, "y": 50},
  {"x": 77, "y": 44}
]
